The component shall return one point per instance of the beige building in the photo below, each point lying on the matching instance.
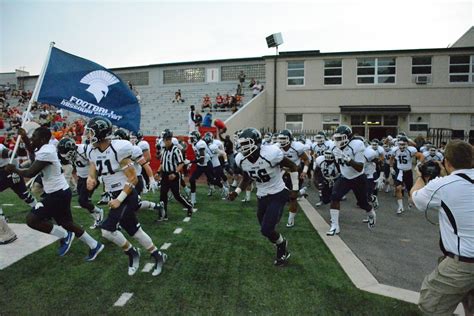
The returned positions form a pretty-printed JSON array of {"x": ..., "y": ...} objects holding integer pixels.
[{"x": 375, "y": 92}]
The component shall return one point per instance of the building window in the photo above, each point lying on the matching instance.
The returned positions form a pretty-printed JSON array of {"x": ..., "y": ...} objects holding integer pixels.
[
  {"x": 417, "y": 127},
  {"x": 135, "y": 78},
  {"x": 188, "y": 75},
  {"x": 296, "y": 73},
  {"x": 331, "y": 122},
  {"x": 373, "y": 120},
  {"x": 357, "y": 120},
  {"x": 472, "y": 120},
  {"x": 231, "y": 73},
  {"x": 390, "y": 120},
  {"x": 333, "y": 72},
  {"x": 294, "y": 122},
  {"x": 421, "y": 65},
  {"x": 457, "y": 134},
  {"x": 376, "y": 71},
  {"x": 461, "y": 68}
]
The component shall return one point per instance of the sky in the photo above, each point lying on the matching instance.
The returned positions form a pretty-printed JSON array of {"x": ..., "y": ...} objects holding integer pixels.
[{"x": 134, "y": 33}]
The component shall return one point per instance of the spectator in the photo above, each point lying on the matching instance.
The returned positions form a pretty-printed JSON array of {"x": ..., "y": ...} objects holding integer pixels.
[
  {"x": 452, "y": 196},
  {"x": 130, "y": 85},
  {"x": 198, "y": 119},
  {"x": 238, "y": 100},
  {"x": 206, "y": 102},
  {"x": 256, "y": 89},
  {"x": 178, "y": 97},
  {"x": 239, "y": 89},
  {"x": 241, "y": 78},
  {"x": 191, "y": 119},
  {"x": 207, "y": 121},
  {"x": 219, "y": 102}
]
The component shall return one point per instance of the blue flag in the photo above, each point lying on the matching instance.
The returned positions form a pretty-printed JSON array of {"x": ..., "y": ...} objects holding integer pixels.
[{"x": 82, "y": 86}]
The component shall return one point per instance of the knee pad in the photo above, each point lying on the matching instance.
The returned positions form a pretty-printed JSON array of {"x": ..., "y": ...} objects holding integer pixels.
[{"x": 116, "y": 237}]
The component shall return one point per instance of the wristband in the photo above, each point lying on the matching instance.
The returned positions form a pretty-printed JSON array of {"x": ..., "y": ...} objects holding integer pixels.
[
  {"x": 122, "y": 196},
  {"x": 305, "y": 169},
  {"x": 238, "y": 190},
  {"x": 294, "y": 180}
]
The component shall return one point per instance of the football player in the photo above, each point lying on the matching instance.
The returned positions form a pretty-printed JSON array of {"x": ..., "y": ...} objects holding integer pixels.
[
  {"x": 56, "y": 200},
  {"x": 387, "y": 154},
  {"x": 77, "y": 156},
  {"x": 349, "y": 154},
  {"x": 216, "y": 149},
  {"x": 137, "y": 139},
  {"x": 433, "y": 154},
  {"x": 401, "y": 168},
  {"x": 262, "y": 164},
  {"x": 111, "y": 160},
  {"x": 326, "y": 171},
  {"x": 321, "y": 144},
  {"x": 294, "y": 151}
]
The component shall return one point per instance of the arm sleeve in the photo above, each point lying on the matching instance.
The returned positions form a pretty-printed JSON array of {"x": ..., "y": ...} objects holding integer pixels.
[{"x": 428, "y": 196}]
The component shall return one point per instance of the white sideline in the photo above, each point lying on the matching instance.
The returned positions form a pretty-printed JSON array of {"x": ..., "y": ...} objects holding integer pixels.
[
  {"x": 123, "y": 299},
  {"x": 165, "y": 246},
  {"x": 178, "y": 231},
  {"x": 353, "y": 267},
  {"x": 187, "y": 219}
]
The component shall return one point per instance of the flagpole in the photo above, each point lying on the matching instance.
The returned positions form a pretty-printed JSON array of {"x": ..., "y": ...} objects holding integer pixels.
[{"x": 34, "y": 97}]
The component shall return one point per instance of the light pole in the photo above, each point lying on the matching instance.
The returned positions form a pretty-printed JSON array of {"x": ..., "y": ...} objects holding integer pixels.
[{"x": 274, "y": 40}]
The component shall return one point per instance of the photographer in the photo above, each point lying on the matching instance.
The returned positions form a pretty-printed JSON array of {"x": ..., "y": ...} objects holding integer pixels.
[{"x": 453, "y": 196}]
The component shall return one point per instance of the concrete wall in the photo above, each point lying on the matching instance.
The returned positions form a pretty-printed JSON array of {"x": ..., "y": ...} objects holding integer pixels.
[{"x": 251, "y": 115}]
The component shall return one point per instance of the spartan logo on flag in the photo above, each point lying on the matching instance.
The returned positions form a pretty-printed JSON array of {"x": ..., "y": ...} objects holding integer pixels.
[{"x": 99, "y": 82}]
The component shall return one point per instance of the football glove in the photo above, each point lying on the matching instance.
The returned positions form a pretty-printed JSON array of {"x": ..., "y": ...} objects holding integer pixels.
[{"x": 153, "y": 185}]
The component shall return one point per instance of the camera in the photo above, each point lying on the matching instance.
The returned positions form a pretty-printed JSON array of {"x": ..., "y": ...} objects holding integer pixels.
[{"x": 429, "y": 170}]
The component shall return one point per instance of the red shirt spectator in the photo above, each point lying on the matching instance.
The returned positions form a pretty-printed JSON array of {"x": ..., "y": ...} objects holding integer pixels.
[{"x": 219, "y": 100}]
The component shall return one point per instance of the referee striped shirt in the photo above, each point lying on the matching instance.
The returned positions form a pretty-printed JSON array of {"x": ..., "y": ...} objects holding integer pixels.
[{"x": 170, "y": 159}]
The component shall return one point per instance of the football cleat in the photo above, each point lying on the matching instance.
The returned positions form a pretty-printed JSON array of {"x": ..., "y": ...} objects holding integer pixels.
[
  {"x": 98, "y": 218},
  {"x": 104, "y": 199},
  {"x": 160, "y": 259},
  {"x": 400, "y": 211},
  {"x": 282, "y": 254},
  {"x": 290, "y": 223},
  {"x": 371, "y": 218},
  {"x": 65, "y": 244},
  {"x": 333, "y": 230},
  {"x": 375, "y": 202},
  {"x": 94, "y": 252},
  {"x": 133, "y": 260}
]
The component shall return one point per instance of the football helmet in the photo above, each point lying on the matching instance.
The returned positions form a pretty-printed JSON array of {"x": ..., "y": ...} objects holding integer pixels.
[
  {"x": 194, "y": 137},
  {"x": 402, "y": 143},
  {"x": 208, "y": 138},
  {"x": 320, "y": 137},
  {"x": 401, "y": 134},
  {"x": 432, "y": 151},
  {"x": 375, "y": 144},
  {"x": 342, "y": 136},
  {"x": 285, "y": 137},
  {"x": 267, "y": 137},
  {"x": 139, "y": 135},
  {"x": 328, "y": 156},
  {"x": 249, "y": 141},
  {"x": 121, "y": 134},
  {"x": 98, "y": 129},
  {"x": 67, "y": 148},
  {"x": 386, "y": 147}
]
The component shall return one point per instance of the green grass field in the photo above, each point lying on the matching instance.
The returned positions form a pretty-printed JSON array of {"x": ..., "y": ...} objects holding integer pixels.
[{"x": 218, "y": 265}]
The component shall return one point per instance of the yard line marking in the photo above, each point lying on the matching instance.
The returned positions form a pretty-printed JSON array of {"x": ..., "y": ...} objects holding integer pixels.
[
  {"x": 165, "y": 246},
  {"x": 123, "y": 299},
  {"x": 178, "y": 231},
  {"x": 148, "y": 267},
  {"x": 77, "y": 206},
  {"x": 187, "y": 219},
  {"x": 8, "y": 204}
]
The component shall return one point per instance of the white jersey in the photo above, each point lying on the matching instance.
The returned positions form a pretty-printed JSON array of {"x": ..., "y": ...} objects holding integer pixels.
[
  {"x": 320, "y": 149},
  {"x": 265, "y": 171},
  {"x": 198, "y": 147},
  {"x": 437, "y": 157},
  {"x": 294, "y": 152},
  {"x": 52, "y": 175},
  {"x": 329, "y": 170},
  {"x": 53, "y": 141},
  {"x": 370, "y": 156},
  {"x": 107, "y": 163},
  {"x": 354, "y": 149},
  {"x": 404, "y": 158},
  {"x": 3, "y": 161},
  {"x": 387, "y": 154},
  {"x": 82, "y": 162},
  {"x": 144, "y": 146},
  {"x": 137, "y": 153},
  {"x": 214, "y": 148}
]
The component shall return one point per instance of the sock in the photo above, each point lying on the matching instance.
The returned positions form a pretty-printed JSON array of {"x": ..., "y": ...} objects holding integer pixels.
[
  {"x": 193, "y": 197},
  {"x": 247, "y": 195},
  {"x": 144, "y": 239},
  {"x": 234, "y": 183},
  {"x": 146, "y": 205},
  {"x": 400, "y": 203},
  {"x": 88, "y": 240},
  {"x": 291, "y": 217},
  {"x": 58, "y": 231},
  {"x": 303, "y": 191},
  {"x": 97, "y": 209},
  {"x": 334, "y": 216},
  {"x": 279, "y": 240},
  {"x": 1, "y": 211}
]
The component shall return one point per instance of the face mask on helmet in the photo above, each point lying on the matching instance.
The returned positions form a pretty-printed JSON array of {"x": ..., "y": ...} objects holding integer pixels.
[
  {"x": 328, "y": 156},
  {"x": 283, "y": 140},
  {"x": 374, "y": 145},
  {"x": 340, "y": 140},
  {"x": 90, "y": 136},
  {"x": 246, "y": 146},
  {"x": 319, "y": 139},
  {"x": 267, "y": 137},
  {"x": 432, "y": 151}
]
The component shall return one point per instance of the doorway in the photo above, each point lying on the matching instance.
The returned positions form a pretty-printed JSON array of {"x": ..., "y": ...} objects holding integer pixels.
[{"x": 380, "y": 132}]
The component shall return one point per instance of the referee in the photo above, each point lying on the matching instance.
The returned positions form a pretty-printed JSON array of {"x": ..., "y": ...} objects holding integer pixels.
[{"x": 171, "y": 165}]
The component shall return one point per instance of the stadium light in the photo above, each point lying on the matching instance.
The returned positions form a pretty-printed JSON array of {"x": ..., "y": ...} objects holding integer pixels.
[{"x": 274, "y": 40}]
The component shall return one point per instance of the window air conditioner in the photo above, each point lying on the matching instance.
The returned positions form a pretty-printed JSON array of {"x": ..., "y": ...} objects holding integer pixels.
[{"x": 422, "y": 79}]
